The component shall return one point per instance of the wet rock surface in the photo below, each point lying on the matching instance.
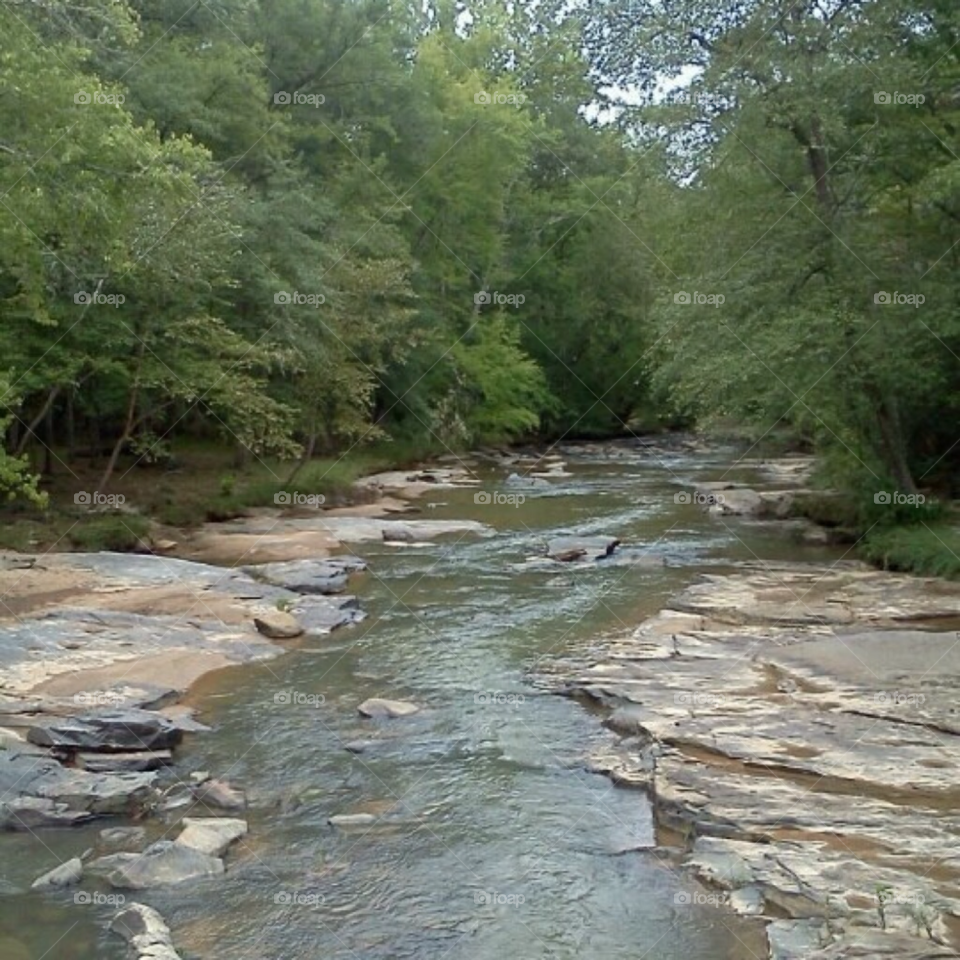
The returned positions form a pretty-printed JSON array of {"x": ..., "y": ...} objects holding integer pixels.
[{"x": 806, "y": 743}]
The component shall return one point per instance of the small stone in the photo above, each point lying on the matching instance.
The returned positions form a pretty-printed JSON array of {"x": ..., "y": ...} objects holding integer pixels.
[
  {"x": 352, "y": 820},
  {"x": 219, "y": 793},
  {"x": 278, "y": 625},
  {"x": 63, "y": 876},
  {"x": 379, "y": 707}
]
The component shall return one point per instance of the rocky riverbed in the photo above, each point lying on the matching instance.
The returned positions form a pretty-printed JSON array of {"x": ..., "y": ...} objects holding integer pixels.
[
  {"x": 793, "y": 723},
  {"x": 797, "y": 727}
]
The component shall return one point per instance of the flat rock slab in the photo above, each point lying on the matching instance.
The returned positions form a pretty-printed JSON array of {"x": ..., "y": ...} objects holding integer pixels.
[
  {"x": 120, "y": 836},
  {"x": 378, "y": 707},
  {"x": 320, "y": 615},
  {"x": 594, "y": 548},
  {"x": 65, "y": 875},
  {"x": 108, "y": 731},
  {"x": 70, "y": 793},
  {"x": 124, "y": 762},
  {"x": 165, "y": 862},
  {"x": 211, "y": 835},
  {"x": 327, "y": 576}
]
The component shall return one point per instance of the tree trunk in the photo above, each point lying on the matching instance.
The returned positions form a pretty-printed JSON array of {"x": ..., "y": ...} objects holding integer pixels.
[
  {"x": 128, "y": 425},
  {"x": 305, "y": 458},
  {"x": 35, "y": 422},
  {"x": 48, "y": 446},
  {"x": 71, "y": 429}
]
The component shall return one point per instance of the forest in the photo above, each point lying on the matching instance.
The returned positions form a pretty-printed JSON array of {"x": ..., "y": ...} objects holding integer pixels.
[{"x": 302, "y": 230}]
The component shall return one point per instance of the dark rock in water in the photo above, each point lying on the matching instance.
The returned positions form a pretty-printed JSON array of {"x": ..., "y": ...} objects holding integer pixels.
[
  {"x": 71, "y": 794},
  {"x": 219, "y": 793},
  {"x": 324, "y": 614},
  {"x": 165, "y": 862},
  {"x": 359, "y": 746},
  {"x": 395, "y": 533},
  {"x": 570, "y": 548},
  {"x": 119, "y": 731},
  {"x": 325, "y": 576},
  {"x": 28, "y": 813},
  {"x": 124, "y": 762},
  {"x": 64, "y": 875}
]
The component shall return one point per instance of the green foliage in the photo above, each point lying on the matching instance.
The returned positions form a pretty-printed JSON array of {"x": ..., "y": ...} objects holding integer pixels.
[{"x": 120, "y": 532}]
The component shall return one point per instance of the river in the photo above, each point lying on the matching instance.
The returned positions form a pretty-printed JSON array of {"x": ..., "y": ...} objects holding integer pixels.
[{"x": 491, "y": 838}]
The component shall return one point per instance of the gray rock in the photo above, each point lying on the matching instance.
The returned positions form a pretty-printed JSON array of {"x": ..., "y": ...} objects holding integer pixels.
[
  {"x": 71, "y": 790},
  {"x": 323, "y": 614},
  {"x": 278, "y": 625},
  {"x": 219, "y": 793},
  {"x": 211, "y": 835},
  {"x": 121, "y": 836},
  {"x": 124, "y": 762},
  {"x": 595, "y": 548},
  {"x": 352, "y": 820},
  {"x": 65, "y": 875},
  {"x": 395, "y": 533},
  {"x": 165, "y": 862},
  {"x": 146, "y": 932},
  {"x": 325, "y": 576},
  {"x": 379, "y": 707},
  {"x": 109, "y": 730}
]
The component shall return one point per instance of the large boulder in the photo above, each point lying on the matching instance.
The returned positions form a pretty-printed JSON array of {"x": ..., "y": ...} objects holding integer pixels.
[
  {"x": 118, "y": 731},
  {"x": 165, "y": 862}
]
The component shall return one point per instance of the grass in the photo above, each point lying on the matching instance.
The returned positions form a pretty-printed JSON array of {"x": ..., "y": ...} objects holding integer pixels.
[
  {"x": 931, "y": 550},
  {"x": 201, "y": 484}
]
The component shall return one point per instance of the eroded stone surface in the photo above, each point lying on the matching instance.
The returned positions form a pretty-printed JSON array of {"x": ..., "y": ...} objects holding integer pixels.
[{"x": 785, "y": 721}]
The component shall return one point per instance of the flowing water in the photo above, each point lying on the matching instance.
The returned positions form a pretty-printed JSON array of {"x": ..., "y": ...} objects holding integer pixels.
[{"x": 491, "y": 839}]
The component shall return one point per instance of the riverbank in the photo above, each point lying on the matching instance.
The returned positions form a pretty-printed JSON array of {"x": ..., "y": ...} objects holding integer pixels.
[{"x": 278, "y": 566}]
